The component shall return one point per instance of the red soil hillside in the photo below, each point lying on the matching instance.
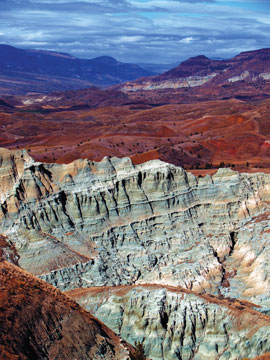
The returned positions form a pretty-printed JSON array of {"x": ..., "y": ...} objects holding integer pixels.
[
  {"x": 195, "y": 135},
  {"x": 37, "y": 321},
  {"x": 223, "y": 121}
]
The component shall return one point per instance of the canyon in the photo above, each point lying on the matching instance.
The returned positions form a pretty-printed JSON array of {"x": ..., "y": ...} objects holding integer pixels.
[
  {"x": 175, "y": 261},
  {"x": 138, "y": 213}
]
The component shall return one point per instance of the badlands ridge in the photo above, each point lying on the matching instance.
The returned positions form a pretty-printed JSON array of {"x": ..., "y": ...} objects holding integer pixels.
[{"x": 160, "y": 256}]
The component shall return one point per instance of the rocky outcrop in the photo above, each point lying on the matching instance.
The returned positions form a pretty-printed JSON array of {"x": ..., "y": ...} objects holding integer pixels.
[
  {"x": 173, "y": 323},
  {"x": 39, "y": 322},
  {"x": 178, "y": 83},
  {"x": 112, "y": 223}
]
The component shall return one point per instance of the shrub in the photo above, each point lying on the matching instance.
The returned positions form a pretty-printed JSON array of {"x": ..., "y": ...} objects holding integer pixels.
[
  {"x": 138, "y": 354},
  {"x": 221, "y": 165}
]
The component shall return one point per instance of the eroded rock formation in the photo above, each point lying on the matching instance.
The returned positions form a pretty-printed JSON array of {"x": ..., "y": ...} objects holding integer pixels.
[
  {"x": 174, "y": 323},
  {"x": 112, "y": 223}
]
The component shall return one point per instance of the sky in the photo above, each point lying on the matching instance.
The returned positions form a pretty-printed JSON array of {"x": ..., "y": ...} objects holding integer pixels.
[{"x": 137, "y": 31}]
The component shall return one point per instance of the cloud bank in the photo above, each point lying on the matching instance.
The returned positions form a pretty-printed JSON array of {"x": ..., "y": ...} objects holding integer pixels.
[{"x": 137, "y": 30}]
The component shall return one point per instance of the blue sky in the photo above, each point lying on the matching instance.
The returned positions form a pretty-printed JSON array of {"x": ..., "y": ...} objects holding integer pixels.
[{"x": 160, "y": 31}]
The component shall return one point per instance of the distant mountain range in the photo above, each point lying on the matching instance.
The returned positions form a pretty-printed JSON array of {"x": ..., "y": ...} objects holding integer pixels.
[
  {"x": 249, "y": 67},
  {"x": 24, "y": 71}
]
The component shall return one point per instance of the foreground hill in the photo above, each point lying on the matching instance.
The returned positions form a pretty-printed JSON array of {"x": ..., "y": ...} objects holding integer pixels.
[
  {"x": 37, "y": 321},
  {"x": 191, "y": 252},
  {"x": 23, "y": 71}
]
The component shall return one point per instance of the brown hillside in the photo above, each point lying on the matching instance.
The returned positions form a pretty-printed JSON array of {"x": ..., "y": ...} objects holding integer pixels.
[{"x": 37, "y": 321}]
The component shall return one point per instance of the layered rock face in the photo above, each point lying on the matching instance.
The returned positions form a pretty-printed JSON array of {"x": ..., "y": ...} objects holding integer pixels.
[
  {"x": 112, "y": 223},
  {"x": 185, "y": 82},
  {"x": 174, "y": 323},
  {"x": 39, "y": 322}
]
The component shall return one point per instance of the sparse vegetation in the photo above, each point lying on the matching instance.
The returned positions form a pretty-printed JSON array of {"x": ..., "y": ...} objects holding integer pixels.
[
  {"x": 221, "y": 164},
  {"x": 138, "y": 354}
]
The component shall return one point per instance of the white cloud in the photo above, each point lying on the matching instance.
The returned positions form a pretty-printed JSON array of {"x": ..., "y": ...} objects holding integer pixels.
[
  {"x": 133, "y": 30},
  {"x": 187, "y": 40}
]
